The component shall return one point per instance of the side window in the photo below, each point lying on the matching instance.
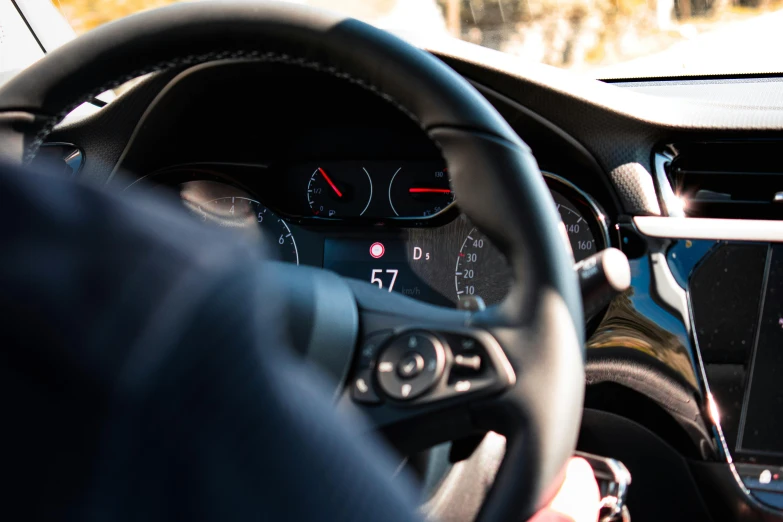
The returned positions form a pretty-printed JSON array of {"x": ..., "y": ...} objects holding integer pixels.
[{"x": 18, "y": 47}]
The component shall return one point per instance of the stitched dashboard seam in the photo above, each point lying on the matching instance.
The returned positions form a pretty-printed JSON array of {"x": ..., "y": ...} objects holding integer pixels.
[{"x": 196, "y": 59}]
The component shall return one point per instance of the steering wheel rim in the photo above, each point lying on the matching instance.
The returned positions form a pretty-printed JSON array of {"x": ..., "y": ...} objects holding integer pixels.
[{"x": 494, "y": 175}]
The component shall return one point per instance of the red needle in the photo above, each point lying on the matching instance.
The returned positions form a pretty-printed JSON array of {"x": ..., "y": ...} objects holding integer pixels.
[
  {"x": 330, "y": 182},
  {"x": 429, "y": 190}
]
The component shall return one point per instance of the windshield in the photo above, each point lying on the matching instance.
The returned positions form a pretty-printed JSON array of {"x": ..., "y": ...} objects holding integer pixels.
[{"x": 600, "y": 38}]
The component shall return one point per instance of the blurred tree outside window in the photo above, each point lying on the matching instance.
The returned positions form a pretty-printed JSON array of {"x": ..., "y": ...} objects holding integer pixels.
[{"x": 601, "y": 38}]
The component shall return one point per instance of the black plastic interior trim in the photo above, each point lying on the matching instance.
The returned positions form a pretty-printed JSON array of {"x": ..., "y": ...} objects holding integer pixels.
[
  {"x": 662, "y": 488},
  {"x": 635, "y": 406},
  {"x": 494, "y": 96}
]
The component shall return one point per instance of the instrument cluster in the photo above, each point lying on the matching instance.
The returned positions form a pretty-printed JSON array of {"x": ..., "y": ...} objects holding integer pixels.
[
  {"x": 394, "y": 224},
  {"x": 375, "y": 189}
]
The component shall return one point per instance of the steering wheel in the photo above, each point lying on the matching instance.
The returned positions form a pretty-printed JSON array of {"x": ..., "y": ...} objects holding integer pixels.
[{"x": 428, "y": 374}]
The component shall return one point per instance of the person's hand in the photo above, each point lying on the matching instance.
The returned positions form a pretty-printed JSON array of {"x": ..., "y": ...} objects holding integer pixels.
[{"x": 578, "y": 499}]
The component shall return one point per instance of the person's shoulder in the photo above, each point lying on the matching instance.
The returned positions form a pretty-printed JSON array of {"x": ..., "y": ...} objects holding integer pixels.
[{"x": 125, "y": 228}]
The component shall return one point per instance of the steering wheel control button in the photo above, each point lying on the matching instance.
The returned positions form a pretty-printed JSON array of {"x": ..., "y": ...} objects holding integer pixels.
[
  {"x": 462, "y": 386},
  {"x": 410, "y": 365},
  {"x": 470, "y": 358},
  {"x": 467, "y": 343},
  {"x": 476, "y": 364},
  {"x": 371, "y": 346},
  {"x": 362, "y": 386},
  {"x": 468, "y": 362},
  {"x": 362, "y": 390}
]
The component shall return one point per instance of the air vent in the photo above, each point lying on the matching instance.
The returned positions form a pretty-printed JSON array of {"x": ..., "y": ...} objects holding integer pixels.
[
  {"x": 729, "y": 179},
  {"x": 58, "y": 158}
]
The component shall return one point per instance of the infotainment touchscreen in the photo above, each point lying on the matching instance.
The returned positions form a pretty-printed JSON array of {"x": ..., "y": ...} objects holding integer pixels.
[{"x": 761, "y": 429}]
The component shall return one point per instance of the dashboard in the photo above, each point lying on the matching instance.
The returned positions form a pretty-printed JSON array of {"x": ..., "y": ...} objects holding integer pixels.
[
  {"x": 394, "y": 224},
  {"x": 319, "y": 172}
]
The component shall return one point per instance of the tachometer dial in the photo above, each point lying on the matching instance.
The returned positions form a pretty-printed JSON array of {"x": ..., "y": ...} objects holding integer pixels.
[
  {"x": 343, "y": 193},
  {"x": 419, "y": 192},
  {"x": 248, "y": 214}
]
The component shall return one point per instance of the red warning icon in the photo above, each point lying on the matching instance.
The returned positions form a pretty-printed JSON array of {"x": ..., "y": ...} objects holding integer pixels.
[{"x": 377, "y": 250}]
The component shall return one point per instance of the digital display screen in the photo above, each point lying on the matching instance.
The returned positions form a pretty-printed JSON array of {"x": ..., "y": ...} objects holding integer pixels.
[
  {"x": 762, "y": 429},
  {"x": 387, "y": 263}
]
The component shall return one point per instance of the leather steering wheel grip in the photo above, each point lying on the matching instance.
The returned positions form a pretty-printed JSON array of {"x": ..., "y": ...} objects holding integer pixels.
[{"x": 495, "y": 177}]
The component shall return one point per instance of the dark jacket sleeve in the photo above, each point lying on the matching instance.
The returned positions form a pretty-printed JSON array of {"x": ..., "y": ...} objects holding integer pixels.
[
  {"x": 144, "y": 374},
  {"x": 233, "y": 428}
]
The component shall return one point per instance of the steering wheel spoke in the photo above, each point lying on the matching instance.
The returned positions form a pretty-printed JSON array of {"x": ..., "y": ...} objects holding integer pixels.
[
  {"x": 410, "y": 376},
  {"x": 419, "y": 369}
]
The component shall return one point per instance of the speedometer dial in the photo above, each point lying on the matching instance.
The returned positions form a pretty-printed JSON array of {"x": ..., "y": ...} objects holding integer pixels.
[
  {"x": 583, "y": 242},
  {"x": 481, "y": 270}
]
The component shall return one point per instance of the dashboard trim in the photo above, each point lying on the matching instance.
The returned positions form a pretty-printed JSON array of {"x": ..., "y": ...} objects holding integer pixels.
[
  {"x": 710, "y": 228},
  {"x": 667, "y": 288},
  {"x": 497, "y": 98}
]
